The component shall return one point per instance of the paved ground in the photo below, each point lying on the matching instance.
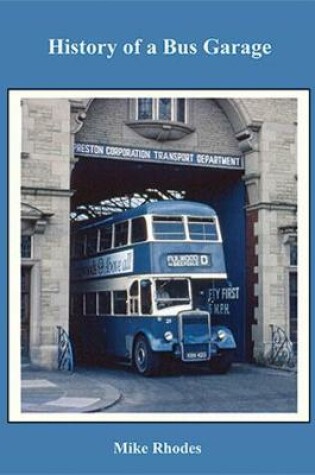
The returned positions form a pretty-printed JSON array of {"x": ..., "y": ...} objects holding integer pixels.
[
  {"x": 246, "y": 388},
  {"x": 55, "y": 391}
]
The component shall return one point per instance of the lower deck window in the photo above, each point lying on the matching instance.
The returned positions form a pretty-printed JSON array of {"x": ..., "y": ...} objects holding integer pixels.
[
  {"x": 77, "y": 304},
  {"x": 90, "y": 303},
  {"x": 104, "y": 306},
  {"x": 134, "y": 298},
  {"x": 172, "y": 292},
  {"x": 146, "y": 297},
  {"x": 120, "y": 302}
]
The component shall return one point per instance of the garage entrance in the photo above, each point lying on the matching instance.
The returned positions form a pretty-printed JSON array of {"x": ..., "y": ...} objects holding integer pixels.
[{"x": 103, "y": 185}]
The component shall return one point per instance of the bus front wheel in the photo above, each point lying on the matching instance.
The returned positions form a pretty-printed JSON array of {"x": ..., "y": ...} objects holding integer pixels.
[
  {"x": 222, "y": 363},
  {"x": 145, "y": 360}
]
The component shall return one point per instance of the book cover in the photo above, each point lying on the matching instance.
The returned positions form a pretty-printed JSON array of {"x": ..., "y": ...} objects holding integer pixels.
[{"x": 157, "y": 264}]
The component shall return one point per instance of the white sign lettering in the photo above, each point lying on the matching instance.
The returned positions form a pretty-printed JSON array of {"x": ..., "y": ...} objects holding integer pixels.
[
  {"x": 188, "y": 260},
  {"x": 220, "y": 299},
  {"x": 212, "y": 160},
  {"x": 103, "y": 266}
]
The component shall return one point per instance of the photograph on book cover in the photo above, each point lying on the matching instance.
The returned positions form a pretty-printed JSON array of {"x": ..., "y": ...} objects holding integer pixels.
[{"x": 155, "y": 270}]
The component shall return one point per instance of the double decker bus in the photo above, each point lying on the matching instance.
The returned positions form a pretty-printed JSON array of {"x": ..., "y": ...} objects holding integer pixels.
[{"x": 140, "y": 284}]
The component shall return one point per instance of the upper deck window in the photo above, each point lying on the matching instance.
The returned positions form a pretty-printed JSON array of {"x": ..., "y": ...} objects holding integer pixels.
[
  {"x": 91, "y": 242},
  {"x": 202, "y": 229},
  {"x": 106, "y": 238},
  {"x": 121, "y": 234},
  {"x": 80, "y": 245},
  {"x": 168, "y": 228},
  {"x": 138, "y": 230}
]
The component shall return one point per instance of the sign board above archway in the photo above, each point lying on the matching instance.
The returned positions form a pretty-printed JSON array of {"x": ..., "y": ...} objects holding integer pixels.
[{"x": 172, "y": 157}]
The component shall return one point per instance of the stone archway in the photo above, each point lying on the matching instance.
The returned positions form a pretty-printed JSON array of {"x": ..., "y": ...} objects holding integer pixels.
[
  {"x": 233, "y": 128},
  {"x": 258, "y": 126}
]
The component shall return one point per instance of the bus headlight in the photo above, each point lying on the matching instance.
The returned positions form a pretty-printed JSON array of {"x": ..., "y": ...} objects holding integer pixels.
[
  {"x": 168, "y": 336},
  {"x": 221, "y": 335}
]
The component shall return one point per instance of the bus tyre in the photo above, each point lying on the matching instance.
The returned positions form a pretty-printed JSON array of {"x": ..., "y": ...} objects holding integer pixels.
[
  {"x": 222, "y": 363},
  {"x": 145, "y": 360}
]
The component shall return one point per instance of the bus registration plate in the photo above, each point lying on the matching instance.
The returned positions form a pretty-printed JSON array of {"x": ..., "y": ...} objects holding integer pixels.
[{"x": 195, "y": 354}]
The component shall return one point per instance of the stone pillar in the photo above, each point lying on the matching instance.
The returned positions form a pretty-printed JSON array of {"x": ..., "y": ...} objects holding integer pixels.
[
  {"x": 45, "y": 186},
  {"x": 275, "y": 208}
]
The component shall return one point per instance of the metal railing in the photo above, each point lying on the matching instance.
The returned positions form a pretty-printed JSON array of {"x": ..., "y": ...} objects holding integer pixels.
[
  {"x": 282, "y": 352},
  {"x": 65, "y": 352}
]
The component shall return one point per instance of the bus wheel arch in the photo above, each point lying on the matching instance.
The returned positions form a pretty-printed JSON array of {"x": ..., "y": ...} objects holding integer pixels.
[{"x": 145, "y": 360}]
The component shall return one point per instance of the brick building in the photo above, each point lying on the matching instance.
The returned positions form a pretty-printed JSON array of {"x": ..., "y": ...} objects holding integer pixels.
[{"x": 239, "y": 155}]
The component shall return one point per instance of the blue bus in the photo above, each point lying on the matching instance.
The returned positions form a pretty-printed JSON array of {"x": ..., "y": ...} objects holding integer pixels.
[{"x": 140, "y": 282}]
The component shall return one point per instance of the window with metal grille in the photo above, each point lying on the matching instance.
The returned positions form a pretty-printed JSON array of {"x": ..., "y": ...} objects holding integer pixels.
[
  {"x": 164, "y": 109},
  {"x": 26, "y": 247},
  {"x": 145, "y": 109},
  {"x": 293, "y": 254}
]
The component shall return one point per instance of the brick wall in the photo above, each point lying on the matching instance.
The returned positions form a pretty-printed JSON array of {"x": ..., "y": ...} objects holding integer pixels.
[{"x": 106, "y": 119}]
